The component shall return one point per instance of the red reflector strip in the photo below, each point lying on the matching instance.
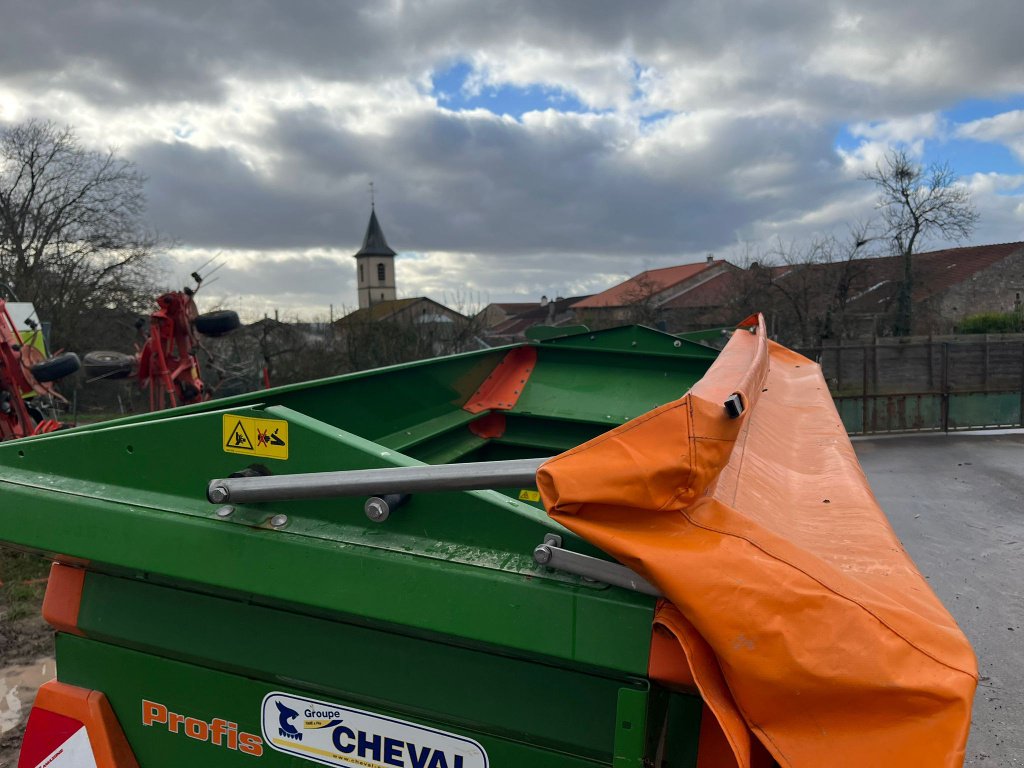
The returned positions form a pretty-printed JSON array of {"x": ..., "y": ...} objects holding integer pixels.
[
  {"x": 72, "y": 727},
  {"x": 55, "y": 741}
]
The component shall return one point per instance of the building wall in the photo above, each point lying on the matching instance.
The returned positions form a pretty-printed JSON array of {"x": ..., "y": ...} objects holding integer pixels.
[
  {"x": 370, "y": 289},
  {"x": 1000, "y": 288}
]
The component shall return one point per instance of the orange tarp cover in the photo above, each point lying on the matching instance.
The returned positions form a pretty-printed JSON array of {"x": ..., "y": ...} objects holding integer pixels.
[{"x": 790, "y": 603}]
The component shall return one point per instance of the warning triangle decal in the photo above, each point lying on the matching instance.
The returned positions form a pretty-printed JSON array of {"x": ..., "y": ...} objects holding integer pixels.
[{"x": 238, "y": 439}]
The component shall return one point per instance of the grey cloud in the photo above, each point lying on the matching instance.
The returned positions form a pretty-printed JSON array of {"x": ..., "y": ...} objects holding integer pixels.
[
  {"x": 511, "y": 192},
  {"x": 460, "y": 182},
  {"x": 211, "y": 198},
  {"x": 158, "y": 51}
]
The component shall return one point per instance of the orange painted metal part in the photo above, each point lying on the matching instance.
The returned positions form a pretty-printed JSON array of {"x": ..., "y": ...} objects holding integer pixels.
[
  {"x": 109, "y": 746},
  {"x": 501, "y": 389},
  {"x": 64, "y": 598},
  {"x": 488, "y": 426},
  {"x": 799, "y": 617}
]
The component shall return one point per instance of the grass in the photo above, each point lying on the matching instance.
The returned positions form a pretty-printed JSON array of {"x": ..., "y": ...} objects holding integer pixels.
[
  {"x": 94, "y": 417},
  {"x": 24, "y": 583}
]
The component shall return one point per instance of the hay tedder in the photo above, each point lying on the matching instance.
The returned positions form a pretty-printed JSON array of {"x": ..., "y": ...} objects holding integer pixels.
[
  {"x": 166, "y": 363},
  {"x": 604, "y": 549},
  {"x": 26, "y": 379}
]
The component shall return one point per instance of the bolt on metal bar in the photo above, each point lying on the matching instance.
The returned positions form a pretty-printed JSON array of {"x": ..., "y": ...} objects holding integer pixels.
[
  {"x": 552, "y": 555},
  {"x": 373, "y": 482}
]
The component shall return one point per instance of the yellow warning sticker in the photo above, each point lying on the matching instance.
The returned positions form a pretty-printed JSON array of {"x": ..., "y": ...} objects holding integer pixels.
[
  {"x": 267, "y": 438},
  {"x": 529, "y": 496}
]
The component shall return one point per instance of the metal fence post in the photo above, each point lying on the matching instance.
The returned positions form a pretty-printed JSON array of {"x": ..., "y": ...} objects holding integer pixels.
[
  {"x": 945, "y": 386},
  {"x": 1022, "y": 385},
  {"x": 864, "y": 391}
]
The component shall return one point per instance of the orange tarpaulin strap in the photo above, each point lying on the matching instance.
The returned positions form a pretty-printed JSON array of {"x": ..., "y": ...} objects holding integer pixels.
[{"x": 763, "y": 533}]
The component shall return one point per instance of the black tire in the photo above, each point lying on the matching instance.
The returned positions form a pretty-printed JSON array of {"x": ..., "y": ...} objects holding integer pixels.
[
  {"x": 218, "y": 323},
  {"x": 56, "y": 367},
  {"x": 109, "y": 365}
]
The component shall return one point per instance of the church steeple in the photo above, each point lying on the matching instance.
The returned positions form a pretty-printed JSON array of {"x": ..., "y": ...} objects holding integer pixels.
[
  {"x": 374, "y": 243},
  {"x": 375, "y": 266}
]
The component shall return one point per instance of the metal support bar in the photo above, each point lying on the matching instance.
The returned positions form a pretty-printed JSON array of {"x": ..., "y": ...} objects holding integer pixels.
[
  {"x": 365, "y": 482},
  {"x": 551, "y": 554}
]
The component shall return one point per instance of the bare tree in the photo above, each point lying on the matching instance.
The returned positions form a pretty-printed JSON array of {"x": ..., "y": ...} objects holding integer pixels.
[
  {"x": 72, "y": 237},
  {"x": 799, "y": 276},
  {"x": 805, "y": 288},
  {"x": 918, "y": 203},
  {"x": 641, "y": 303}
]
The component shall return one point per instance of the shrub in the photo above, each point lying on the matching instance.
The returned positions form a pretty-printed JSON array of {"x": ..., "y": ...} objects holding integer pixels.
[{"x": 992, "y": 322}]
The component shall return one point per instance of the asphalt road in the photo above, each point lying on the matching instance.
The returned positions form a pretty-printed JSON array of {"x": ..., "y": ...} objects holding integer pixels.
[{"x": 957, "y": 503}]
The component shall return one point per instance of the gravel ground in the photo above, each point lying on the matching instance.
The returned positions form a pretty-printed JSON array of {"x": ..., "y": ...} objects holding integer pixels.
[
  {"x": 26, "y": 651},
  {"x": 957, "y": 503}
]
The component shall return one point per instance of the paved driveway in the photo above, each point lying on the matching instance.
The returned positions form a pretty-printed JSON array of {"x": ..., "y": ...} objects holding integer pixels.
[{"x": 957, "y": 503}]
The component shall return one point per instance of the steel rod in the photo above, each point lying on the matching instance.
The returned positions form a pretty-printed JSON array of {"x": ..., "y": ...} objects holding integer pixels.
[
  {"x": 366, "y": 482},
  {"x": 551, "y": 554}
]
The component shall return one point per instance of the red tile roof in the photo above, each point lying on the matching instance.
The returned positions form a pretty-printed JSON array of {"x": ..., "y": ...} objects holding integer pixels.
[
  {"x": 716, "y": 292},
  {"x": 877, "y": 280},
  {"x": 943, "y": 269},
  {"x": 534, "y": 314},
  {"x": 653, "y": 281}
]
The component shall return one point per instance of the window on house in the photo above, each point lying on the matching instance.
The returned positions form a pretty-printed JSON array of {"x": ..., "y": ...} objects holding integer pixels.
[
  {"x": 380, "y": 272},
  {"x": 382, "y": 297},
  {"x": 361, "y": 277}
]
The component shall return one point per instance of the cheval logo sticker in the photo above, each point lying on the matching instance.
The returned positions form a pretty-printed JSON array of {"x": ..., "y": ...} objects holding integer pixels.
[{"x": 334, "y": 735}]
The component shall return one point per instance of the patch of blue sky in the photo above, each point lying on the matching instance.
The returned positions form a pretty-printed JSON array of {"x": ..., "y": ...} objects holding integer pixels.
[
  {"x": 654, "y": 117},
  {"x": 964, "y": 155},
  {"x": 976, "y": 109},
  {"x": 451, "y": 91},
  {"x": 967, "y": 156}
]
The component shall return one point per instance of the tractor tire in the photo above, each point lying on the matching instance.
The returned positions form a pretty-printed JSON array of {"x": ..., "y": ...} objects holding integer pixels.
[
  {"x": 218, "y": 323},
  {"x": 108, "y": 365},
  {"x": 56, "y": 367}
]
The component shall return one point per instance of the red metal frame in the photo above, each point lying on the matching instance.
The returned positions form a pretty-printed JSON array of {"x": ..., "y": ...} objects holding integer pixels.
[
  {"x": 16, "y": 380},
  {"x": 167, "y": 361}
]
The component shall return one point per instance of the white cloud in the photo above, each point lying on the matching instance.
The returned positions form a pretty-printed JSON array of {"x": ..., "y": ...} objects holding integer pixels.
[
  {"x": 260, "y": 127},
  {"x": 1006, "y": 128}
]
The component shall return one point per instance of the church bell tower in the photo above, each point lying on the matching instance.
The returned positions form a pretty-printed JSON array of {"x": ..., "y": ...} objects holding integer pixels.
[{"x": 375, "y": 266}]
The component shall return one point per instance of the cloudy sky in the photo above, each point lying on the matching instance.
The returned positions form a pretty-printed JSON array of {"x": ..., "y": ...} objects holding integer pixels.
[{"x": 516, "y": 148}]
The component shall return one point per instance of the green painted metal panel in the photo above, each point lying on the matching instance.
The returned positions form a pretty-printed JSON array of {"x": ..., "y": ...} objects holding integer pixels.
[
  {"x": 682, "y": 729},
  {"x": 927, "y": 411},
  {"x": 608, "y": 388},
  {"x": 372, "y": 666},
  {"x": 482, "y": 604},
  {"x": 439, "y": 615},
  {"x": 636, "y": 338},
  {"x": 984, "y": 409},
  {"x": 890, "y": 413},
  {"x": 851, "y": 411},
  {"x": 129, "y": 678},
  {"x": 631, "y": 729},
  {"x": 708, "y": 334}
]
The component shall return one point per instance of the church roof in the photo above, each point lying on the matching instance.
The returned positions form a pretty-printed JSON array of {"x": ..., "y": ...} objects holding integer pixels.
[{"x": 374, "y": 243}]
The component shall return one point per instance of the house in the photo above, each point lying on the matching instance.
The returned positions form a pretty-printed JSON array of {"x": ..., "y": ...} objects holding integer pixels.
[
  {"x": 948, "y": 286},
  {"x": 418, "y": 311},
  {"x": 400, "y": 330},
  {"x": 804, "y": 303},
  {"x": 642, "y": 299},
  {"x": 508, "y": 323}
]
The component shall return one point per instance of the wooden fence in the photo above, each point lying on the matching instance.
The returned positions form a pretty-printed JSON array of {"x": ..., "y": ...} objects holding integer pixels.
[{"x": 921, "y": 383}]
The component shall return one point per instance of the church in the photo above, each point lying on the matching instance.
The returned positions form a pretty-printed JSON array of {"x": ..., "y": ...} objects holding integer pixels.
[
  {"x": 377, "y": 292},
  {"x": 375, "y": 266}
]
